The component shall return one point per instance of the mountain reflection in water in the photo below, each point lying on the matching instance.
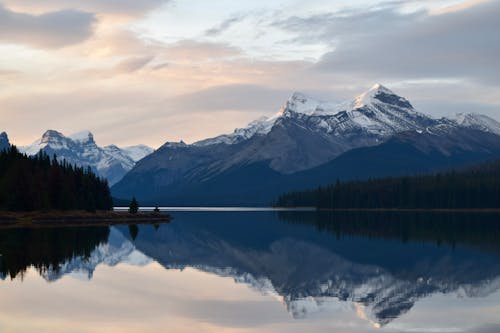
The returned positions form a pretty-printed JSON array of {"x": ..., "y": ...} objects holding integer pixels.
[{"x": 384, "y": 261}]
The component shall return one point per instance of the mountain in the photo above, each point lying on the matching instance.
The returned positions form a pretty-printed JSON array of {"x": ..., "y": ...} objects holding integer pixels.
[
  {"x": 306, "y": 133},
  {"x": 4, "y": 141},
  {"x": 251, "y": 166},
  {"x": 137, "y": 153},
  {"x": 439, "y": 148},
  {"x": 110, "y": 162}
]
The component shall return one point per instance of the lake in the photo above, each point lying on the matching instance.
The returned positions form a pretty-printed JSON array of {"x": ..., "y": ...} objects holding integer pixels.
[{"x": 257, "y": 271}]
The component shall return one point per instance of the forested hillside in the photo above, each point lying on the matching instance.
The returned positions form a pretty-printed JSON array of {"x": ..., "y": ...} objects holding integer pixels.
[
  {"x": 43, "y": 183},
  {"x": 474, "y": 188}
]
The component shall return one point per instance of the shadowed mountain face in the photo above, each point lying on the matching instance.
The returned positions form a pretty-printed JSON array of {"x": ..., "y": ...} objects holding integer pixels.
[
  {"x": 407, "y": 153},
  {"x": 386, "y": 262},
  {"x": 254, "y": 165}
]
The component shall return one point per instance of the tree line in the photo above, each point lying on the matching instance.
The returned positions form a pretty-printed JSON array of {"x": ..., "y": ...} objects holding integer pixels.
[
  {"x": 44, "y": 183},
  {"x": 473, "y": 188}
]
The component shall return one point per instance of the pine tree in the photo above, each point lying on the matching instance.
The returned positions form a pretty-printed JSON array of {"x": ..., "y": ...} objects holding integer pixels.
[
  {"x": 39, "y": 183},
  {"x": 134, "y": 206}
]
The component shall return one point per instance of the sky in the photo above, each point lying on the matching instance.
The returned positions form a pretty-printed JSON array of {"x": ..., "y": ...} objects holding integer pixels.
[{"x": 153, "y": 71}]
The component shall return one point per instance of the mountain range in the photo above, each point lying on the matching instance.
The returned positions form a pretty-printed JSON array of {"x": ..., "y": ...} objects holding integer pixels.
[
  {"x": 110, "y": 162},
  {"x": 309, "y": 143}
]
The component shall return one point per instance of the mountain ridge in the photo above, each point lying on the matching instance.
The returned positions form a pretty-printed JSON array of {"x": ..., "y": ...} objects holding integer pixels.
[
  {"x": 110, "y": 162},
  {"x": 271, "y": 154}
]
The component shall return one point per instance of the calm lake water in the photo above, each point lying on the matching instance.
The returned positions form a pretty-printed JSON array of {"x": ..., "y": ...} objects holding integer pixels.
[{"x": 251, "y": 271}]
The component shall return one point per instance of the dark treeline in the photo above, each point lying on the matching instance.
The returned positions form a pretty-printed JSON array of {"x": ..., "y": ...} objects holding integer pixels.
[
  {"x": 474, "y": 188},
  {"x": 46, "y": 248},
  {"x": 43, "y": 183}
]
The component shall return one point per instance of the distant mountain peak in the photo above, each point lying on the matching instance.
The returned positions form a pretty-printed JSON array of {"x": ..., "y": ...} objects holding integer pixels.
[
  {"x": 299, "y": 103},
  {"x": 83, "y": 136},
  {"x": 297, "y": 96},
  {"x": 378, "y": 110},
  {"x": 51, "y": 134},
  {"x": 50, "y": 137},
  {"x": 80, "y": 149},
  {"x": 380, "y": 94},
  {"x": 381, "y": 88},
  {"x": 478, "y": 121}
]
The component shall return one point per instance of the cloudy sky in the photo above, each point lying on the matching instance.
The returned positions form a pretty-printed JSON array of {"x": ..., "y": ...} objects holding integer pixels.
[{"x": 152, "y": 71}]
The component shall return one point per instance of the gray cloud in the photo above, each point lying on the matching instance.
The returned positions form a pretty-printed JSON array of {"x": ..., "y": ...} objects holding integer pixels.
[
  {"x": 51, "y": 30},
  {"x": 385, "y": 43},
  {"x": 446, "y": 108},
  {"x": 132, "y": 64},
  {"x": 242, "y": 97},
  {"x": 489, "y": 328},
  {"x": 124, "y": 7},
  {"x": 224, "y": 25}
]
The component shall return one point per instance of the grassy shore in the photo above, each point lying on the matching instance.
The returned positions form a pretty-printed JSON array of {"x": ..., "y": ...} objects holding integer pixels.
[{"x": 78, "y": 218}]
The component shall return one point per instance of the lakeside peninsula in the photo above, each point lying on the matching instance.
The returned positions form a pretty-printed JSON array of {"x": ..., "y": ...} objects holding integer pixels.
[{"x": 40, "y": 191}]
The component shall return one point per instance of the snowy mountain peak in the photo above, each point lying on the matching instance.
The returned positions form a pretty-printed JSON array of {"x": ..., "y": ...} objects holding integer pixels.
[
  {"x": 83, "y": 136},
  {"x": 378, "y": 111},
  {"x": 138, "y": 152},
  {"x": 381, "y": 88},
  {"x": 478, "y": 121},
  {"x": 300, "y": 103},
  {"x": 80, "y": 149},
  {"x": 380, "y": 94},
  {"x": 50, "y": 136}
]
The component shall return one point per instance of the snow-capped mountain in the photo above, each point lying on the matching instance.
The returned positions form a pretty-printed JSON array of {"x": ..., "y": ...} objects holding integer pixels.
[
  {"x": 305, "y": 133},
  {"x": 378, "y": 112},
  {"x": 110, "y": 162},
  {"x": 477, "y": 121},
  {"x": 4, "y": 141},
  {"x": 137, "y": 153}
]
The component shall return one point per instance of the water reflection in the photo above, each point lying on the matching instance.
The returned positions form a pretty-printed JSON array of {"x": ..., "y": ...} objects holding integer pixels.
[
  {"x": 46, "y": 249},
  {"x": 381, "y": 264}
]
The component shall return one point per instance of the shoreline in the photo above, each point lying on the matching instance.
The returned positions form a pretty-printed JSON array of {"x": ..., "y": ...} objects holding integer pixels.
[{"x": 78, "y": 218}]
